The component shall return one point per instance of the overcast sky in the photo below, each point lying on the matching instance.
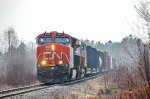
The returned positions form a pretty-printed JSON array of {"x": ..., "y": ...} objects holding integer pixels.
[{"x": 99, "y": 20}]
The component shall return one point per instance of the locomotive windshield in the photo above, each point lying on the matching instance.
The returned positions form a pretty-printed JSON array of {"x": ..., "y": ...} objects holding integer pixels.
[
  {"x": 62, "y": 40},
  {"x": 44, "y": 40}
]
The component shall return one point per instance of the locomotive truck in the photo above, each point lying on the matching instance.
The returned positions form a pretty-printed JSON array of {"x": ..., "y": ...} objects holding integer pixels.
[{"x": 61, "y": 57}]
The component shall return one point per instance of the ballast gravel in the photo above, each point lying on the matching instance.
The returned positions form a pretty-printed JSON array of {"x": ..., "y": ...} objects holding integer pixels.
[{"x": 74, "y": 91}]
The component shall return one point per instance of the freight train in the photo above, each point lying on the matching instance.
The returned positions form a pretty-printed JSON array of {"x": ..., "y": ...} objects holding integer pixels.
[{"x": 61, "y": 57}]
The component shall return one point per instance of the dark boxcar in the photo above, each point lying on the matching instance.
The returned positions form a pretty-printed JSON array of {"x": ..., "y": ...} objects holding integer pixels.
[
  {"x": 89, "y": 59},
  {"x": 89, "y": 56},
  {"x": 94, "y": 60},
  {"x": 97, "y": 61}
]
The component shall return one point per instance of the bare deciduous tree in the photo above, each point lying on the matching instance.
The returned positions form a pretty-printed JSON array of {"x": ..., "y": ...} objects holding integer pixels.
[
  {"x": 10, "y": 38},
  {"x": 143, "y": 10}
]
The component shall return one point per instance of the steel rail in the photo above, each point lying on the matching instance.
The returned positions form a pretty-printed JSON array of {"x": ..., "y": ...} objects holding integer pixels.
[
  {"x": 20, "y": 90},
  {"x": 26, "y": 89}
]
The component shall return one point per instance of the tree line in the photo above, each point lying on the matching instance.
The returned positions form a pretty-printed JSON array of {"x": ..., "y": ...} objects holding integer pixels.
[{"x": 17, "y": 60}]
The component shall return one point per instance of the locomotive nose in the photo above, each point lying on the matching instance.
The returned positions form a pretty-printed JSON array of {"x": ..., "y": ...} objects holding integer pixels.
[{"x": 53, "y": 54}]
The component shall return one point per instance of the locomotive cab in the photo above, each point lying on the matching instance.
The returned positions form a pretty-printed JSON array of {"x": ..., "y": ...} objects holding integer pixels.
[{"x": 59, "y": 38}]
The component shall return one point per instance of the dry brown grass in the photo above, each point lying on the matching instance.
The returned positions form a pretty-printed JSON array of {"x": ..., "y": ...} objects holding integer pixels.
[
  {"x": 75, "y": 95},
  {"x": 135, "y": 93},
  {"x": 5, "y": 87}
]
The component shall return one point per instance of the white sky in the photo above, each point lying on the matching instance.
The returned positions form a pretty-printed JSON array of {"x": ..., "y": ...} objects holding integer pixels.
[{"x": 99, "y": 20}]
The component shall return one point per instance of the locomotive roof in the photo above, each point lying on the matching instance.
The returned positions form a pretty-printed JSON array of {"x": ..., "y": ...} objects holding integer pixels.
[{"x": 52, "y": 33}]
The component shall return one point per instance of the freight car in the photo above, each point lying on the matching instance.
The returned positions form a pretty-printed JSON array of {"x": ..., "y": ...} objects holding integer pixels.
[{"x": 61, "y": 57}]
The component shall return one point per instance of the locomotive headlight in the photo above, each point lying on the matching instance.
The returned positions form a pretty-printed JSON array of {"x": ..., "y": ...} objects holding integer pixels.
[
  {"x": 43, "y": 62},
  {"x": 60, "y": 62},
  {"x": 53, "y": 47}
]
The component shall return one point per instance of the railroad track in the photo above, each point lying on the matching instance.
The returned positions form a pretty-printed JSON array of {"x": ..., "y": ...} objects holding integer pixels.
[{"x": 22, "y": 90}]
